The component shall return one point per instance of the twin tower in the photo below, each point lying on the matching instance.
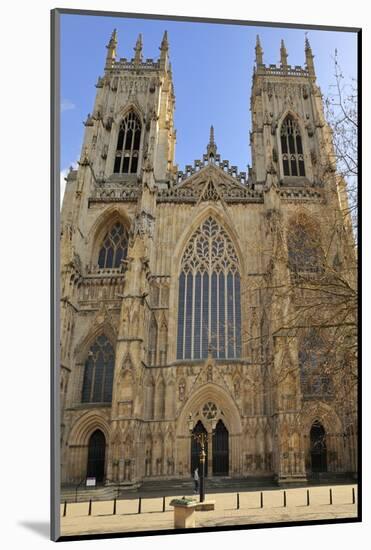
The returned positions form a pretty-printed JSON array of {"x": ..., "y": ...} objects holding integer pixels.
[
  {"x": 167, "y": 278},
  {"x": 143, "y": 90}
]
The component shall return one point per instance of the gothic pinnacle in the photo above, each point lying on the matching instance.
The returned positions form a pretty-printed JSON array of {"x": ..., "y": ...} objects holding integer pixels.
[
  {"x": 164, "y": 42},
  {"x": 307, "y": 45},
  {"x": 211, "y": 146},
  {"x": 309, "y": 56},
  {"x": 283, "y": 53},
  {"x": 111, "y": 49},
  {"x": 164, "y": 49},
  {"x": 212, "y": 135},
  {"x": 138, "y": 49},
  {"x": 114, "y": 36},
  {"x": 258, "y": 51}
]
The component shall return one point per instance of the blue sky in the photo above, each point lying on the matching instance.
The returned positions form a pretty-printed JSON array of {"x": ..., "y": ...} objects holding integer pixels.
[{"x": 212, "y": 70}]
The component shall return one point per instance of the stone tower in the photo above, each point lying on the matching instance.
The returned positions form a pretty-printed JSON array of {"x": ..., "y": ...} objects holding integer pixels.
[
  {"x": 128, "y": 150},
  {"x": 279, "y": 92},
  {"x": 169, "y": 282},
  {"x": 293, "y": 162}
]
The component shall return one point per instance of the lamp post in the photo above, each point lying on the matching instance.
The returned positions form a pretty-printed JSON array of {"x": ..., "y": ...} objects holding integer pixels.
[{"x": 201, "y": 439}]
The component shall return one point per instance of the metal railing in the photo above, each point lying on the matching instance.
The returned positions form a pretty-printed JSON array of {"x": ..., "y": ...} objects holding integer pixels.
[{"x": 307, "y": 501}]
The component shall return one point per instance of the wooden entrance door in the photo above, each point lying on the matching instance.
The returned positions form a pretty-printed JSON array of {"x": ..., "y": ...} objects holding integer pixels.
[
  {"x": 96, "y": 456},
  {"x": 318, "y": 450},
  {"x": 220, "y": 450}
]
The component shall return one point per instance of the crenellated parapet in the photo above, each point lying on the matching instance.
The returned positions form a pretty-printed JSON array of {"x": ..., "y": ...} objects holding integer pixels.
[
  {"x": 233, "y": 171},
  {"x": 130, "y": 64},
  {"x": 278, "y": 70}
]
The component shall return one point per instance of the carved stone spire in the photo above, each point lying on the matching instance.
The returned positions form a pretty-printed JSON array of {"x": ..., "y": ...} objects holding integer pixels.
[
  {"x": 164, "y": 49},
  {"x": 138, "y": 50},
  {"x": 164, "y": 43},
  {"x": 258, "y": 52},
  {"x": 111, "y": 50},
  {"x": 211, "y": 146},
  {"x": 284, "y": 55},
  {"x": 309, "y": 57}
]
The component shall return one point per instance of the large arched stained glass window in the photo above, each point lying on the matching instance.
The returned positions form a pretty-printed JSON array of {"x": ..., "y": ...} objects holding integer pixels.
[
  {"x": 291, "y": 148},
  {"x": 98, "y": 373},
  {"x": 128, "y": 145},
  {"x": 209, "y": 308},
  {"x": 114, "y": 248}
]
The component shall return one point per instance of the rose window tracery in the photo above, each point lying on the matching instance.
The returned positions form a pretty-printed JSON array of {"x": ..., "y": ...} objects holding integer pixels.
[{"x": 209, "y": 410}]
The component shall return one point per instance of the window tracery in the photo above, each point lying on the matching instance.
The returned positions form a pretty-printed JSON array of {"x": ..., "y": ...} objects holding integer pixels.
[
  {"x": 209, "y": 309},
  {"x": 209, "y": 410},
  {"x": 152, "y": 348},
  {"x": 292, "y": 148},
  {"x": 304, "y": 250},
  {"x": 98, "y": 373},
  {"x": 315, "y": 378},
  {"x": 128, "y": 144},
  {"x": 114, "y": 248}
]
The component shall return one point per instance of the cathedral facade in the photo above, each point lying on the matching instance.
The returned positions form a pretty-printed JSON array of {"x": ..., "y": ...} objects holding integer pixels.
[{"x": 170, "y": 308}]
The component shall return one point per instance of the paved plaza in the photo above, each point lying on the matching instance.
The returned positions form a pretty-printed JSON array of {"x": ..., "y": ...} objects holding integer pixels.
[{"x": 152, "y": 517}]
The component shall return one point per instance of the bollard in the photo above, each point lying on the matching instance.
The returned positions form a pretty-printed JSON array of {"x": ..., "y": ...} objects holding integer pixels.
[
  {"x": 163, "y": 504},
  {"x": 353, "y": 496},
  {"x": 330, "y": 496},
  {"x": 308, "y": 497},
  {"x": 114, "y": 507},
  {"x": 140, "y": 505},
  {"x": 238, "y": 501},
  {"x": 284, "y": 499},
  {"x": 89, "y": 512},
  {"x": 65, "y": 508},
  {"x": 261, "y": 500}
]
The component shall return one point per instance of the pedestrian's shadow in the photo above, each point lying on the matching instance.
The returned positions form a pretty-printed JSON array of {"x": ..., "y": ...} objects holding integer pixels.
[{"x": 42, "y": 528}]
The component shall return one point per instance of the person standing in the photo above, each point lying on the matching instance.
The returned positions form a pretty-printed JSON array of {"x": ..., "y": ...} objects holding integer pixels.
[{"x": 196, "y": 479}]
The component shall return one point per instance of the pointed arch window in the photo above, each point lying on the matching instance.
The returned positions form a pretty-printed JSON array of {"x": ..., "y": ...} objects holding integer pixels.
[
  {"x": 209, "y": 307},
  {"x": 114, "y": 248},
  {"x": 98, "y": 373},
  {"x": 304, "y": 248},
  {"x": 292, "y": 148},
  {"x": 152, "y": 348},
  {"x": 163, "y": 343},
  {"x": 314, "y": 368},
  {"x": 128, "y": 145}
]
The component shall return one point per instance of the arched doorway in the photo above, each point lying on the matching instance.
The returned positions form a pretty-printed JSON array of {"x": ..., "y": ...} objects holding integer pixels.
[
  {"x": 96, "y": 456},
  {"x": 220, "y": 450},
  {"x": 318, "y": 451},
  {"x": 196, "y": 448}
]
